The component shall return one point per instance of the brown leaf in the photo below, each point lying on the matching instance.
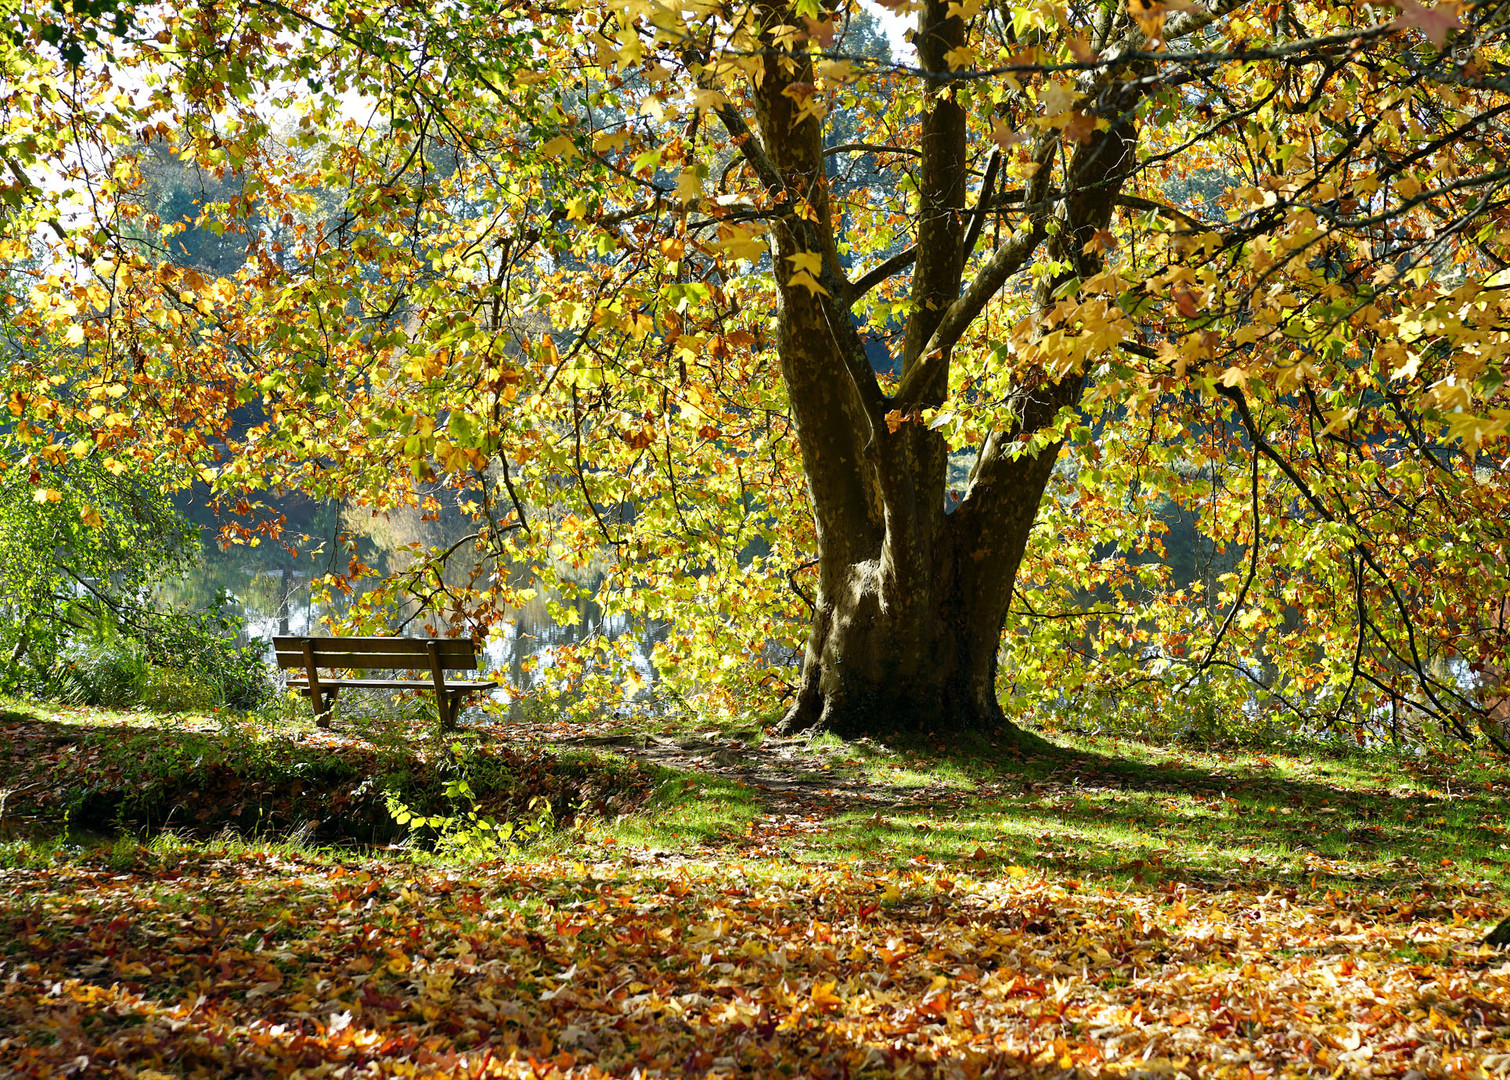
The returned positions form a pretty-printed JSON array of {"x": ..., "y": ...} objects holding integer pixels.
[{"x": 1435, "y": 22}]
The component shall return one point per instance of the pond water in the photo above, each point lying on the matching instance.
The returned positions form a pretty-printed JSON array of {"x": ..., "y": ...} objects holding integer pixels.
[{"x": 268, "y": 587}]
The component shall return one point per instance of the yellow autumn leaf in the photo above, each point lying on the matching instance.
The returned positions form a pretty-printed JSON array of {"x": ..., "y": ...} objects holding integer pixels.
[
  {"x": 560, "y": 147},
  {"x": 809, "y": 262},
  {"x": 961, "y": 57},
  {"x": 808, "y": 282},
  {"x": 806, "y": 266},
  {"x": 609, "y": 141},
  {"x": 704, "y": 98},
  {"x": 1056, "y": 98},
  {"x": 689, "y": 186},
  {"x": 1234, "y": 376},
  {"x": 823, "y": 994},
  {"x": 738, "y": 242}
]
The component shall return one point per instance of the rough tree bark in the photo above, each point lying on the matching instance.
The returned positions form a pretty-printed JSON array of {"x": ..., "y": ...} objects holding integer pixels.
[{"x": 911, "y": 600}]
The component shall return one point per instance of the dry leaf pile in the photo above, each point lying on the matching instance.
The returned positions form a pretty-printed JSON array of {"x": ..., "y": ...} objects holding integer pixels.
[{"x": 275, "y": 965}]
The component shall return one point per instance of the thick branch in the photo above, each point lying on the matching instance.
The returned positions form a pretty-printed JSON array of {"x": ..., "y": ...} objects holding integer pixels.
[
  {"x": 751, "y": 148},
  {"x": 941, "y": 186},
  {"x": 1004, "y": 262},
  {"x": 890, "y": 267},
  {"x": 1134, "y": 202}
]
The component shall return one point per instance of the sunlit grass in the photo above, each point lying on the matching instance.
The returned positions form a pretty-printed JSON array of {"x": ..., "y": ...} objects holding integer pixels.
[
  {"x": 1132, "y": 813},
  {"x": 1118, "y": 810},
  {"x": 686, "y": 809}
]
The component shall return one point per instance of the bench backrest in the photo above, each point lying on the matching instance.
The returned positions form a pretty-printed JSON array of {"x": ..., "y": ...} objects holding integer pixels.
[{"x": 392, "y": 653}]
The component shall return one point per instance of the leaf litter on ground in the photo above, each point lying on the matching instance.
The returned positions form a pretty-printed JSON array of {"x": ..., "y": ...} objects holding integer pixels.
[{"x": 193, "y": 963}]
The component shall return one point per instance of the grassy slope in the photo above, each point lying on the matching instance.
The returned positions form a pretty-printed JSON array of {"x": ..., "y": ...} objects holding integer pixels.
[
  {"x": 1109, "y": 908},
  {"x": 1126, "y": 813}
]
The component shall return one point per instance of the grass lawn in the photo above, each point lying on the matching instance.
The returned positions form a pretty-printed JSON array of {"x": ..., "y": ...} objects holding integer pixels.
[{"x": 194, "y": 896}]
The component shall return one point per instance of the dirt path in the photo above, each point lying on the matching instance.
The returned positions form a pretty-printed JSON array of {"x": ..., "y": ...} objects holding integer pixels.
[
  {"x": 802, "y": 788},
  {"x": 791, "y": 775}
]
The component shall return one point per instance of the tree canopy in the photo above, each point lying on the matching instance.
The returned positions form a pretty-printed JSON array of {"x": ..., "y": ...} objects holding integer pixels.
[{"x": 891, "y": 426}]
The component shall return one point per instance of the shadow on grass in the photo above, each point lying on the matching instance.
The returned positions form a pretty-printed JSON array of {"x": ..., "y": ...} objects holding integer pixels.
[
  {"x": 100, "y": 777},
  {"x": 1249, "y": 818}
]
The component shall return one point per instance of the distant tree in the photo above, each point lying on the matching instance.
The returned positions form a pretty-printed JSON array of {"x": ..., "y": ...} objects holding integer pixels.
[{"x": 189, "y": 205}]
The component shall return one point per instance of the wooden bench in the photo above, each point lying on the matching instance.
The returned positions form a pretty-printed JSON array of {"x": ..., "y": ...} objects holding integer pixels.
[{"x": 434, "y": 655}]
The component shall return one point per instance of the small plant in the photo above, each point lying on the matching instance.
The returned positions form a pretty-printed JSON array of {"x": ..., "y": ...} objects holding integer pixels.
[
  {"x": 465, "y": 831},
  {"x": 109, "y": 674},
  {"x": 204, "y": 643},
  {"x": 469, "y": 834}
]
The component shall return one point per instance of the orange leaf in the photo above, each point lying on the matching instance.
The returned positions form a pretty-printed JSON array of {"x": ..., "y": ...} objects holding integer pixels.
[
  {"x": 824, "y": 996},
  {"x": 1434, "y": 22}
]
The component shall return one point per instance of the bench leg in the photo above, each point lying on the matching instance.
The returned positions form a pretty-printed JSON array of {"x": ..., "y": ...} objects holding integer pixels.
[
  {"x": 448, "y": 704},
  {"x": 458, "y": 700},
  {"x": 324, "y": 710}
]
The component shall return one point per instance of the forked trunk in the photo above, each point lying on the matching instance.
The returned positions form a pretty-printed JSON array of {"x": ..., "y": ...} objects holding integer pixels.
[
  {"x": 911, "y": 601},
  {"x": 877, "y": 662},
  {"x": 896, "y": 649}
]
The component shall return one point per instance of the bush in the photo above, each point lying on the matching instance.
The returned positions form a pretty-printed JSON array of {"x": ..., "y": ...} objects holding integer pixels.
[
  {"x": 173, "y": 662},
  {"x": 201, "y": 646},
  {"x": 111, "y": 675}
]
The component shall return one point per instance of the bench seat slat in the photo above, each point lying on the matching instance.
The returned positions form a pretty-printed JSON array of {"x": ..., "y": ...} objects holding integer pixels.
[
  {"x": 373, "y": 652},
  {"x": 393, "y": 662},
  {"x": 418, "y": 684}
]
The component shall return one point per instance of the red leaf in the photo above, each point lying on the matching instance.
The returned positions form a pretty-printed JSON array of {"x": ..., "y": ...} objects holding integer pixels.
[{"x": 1434, "y": 22}]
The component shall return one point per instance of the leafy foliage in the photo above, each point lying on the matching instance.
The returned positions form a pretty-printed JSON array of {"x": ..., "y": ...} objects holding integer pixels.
[
  {"x": 1240, "y": 260},
  {"x": 81, "y": 548}
]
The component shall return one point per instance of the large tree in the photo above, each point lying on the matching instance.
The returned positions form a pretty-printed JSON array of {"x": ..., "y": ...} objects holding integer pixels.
[{"x": 591, "y": 270}]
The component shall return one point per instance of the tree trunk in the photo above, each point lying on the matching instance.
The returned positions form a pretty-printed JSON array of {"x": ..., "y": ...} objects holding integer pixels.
[
  {"x": 285, "y": 592},
  {"x": 911, "y": 601},
  {"x": 882, "y": 657}
]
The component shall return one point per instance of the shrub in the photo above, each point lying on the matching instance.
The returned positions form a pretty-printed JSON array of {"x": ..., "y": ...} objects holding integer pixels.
[
  {"x": 111, "y": 674},
  {"x": 203, "y": 644},
  {"x": 173, "y": 662}
]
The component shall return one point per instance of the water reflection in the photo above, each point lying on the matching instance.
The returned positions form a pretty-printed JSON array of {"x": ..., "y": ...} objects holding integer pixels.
[{"x": 269, "y": 587}]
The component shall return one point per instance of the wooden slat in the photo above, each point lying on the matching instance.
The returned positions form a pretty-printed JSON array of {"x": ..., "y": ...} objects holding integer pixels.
[
  {"x": 447, "y": 646},
  {"x": 385, "y": 653},
  {"x": 397, "y": 684},
  {"x": 406, "y": 662}
]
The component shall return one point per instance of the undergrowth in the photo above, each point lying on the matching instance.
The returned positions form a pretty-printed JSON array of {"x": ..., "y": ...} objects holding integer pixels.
[{"x": 171, "y": 776}]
